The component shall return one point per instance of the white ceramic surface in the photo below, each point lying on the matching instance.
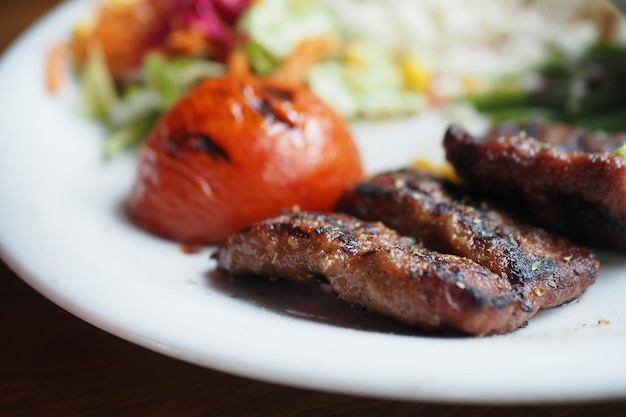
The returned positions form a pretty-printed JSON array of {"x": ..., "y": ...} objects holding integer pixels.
[{"x": 63, "y": 229}]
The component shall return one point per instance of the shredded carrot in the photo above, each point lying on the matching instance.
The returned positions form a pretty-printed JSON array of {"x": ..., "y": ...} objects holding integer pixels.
[
  {"x": 122, "y": 30},
  {"x": 187, "y": 41},
  {"x": 609, "y": 23},
  {"x": 238, "y": 63},
  {"x": 434, "y": 97},
  {"x": 295, "y": 69},
  {"x": 606, "y": 16},
  {"x": 55, "y": 67}
]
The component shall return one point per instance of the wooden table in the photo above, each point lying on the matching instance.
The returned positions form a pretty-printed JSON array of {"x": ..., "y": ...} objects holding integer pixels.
[{"x": 54, "y": 364}]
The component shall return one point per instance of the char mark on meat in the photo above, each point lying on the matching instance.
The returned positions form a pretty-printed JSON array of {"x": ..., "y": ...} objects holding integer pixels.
[
  {"x": 544, "y": 268},
  {"x": 368, "y": 264},
  {"x": 568, "y": 179}
]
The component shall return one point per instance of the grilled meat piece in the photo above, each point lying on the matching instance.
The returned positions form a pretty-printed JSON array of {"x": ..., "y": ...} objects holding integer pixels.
[
  {"x": 371, "y": 265},
  {"x": 568, "y": 179},
  {"x": 565, "y": 137},
  {"x": 545, "y": 268}
]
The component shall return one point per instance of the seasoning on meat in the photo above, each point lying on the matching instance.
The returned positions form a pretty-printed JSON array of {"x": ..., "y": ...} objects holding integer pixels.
[
  {"x": 570, "y": 180},
  {"x": 544, "y": 268},
  {"x": 371, "y": 265}
]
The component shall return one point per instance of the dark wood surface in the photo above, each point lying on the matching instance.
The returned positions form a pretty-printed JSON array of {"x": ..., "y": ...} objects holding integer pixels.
[{"x": 54, "y": 364}]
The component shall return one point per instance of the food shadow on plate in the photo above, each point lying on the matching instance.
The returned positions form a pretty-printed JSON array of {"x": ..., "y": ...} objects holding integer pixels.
[
  {"x": 315, "y": 302},
  {"x": 610, "y": 258},
  {"x": 121, "y": 213}
]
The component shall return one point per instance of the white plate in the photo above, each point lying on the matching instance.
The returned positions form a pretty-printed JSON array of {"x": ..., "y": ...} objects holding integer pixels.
[{"x": 63, "y": 229}]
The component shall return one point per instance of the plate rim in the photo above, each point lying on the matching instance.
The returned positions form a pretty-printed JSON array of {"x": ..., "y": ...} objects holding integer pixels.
[{"x": 254, "y": 367}]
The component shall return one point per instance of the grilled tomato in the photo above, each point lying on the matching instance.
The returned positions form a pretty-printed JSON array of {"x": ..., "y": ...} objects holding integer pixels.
[{"x": 238, "y": 149}]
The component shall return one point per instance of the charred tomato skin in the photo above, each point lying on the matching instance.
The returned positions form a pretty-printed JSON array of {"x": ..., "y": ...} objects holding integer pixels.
[{"x": 236, "y": 150}]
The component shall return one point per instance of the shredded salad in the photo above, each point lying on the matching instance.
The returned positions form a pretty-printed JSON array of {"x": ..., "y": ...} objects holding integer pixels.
[{"x": 366, "y": 58}]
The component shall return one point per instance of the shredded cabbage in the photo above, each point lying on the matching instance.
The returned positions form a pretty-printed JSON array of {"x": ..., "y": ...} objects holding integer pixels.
[
  {"x": 130, "y": 116},
  {"x": 98, "y": 85},
  {"x": 171, "y": 78},
  {"x": 365, "y": 82}
]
